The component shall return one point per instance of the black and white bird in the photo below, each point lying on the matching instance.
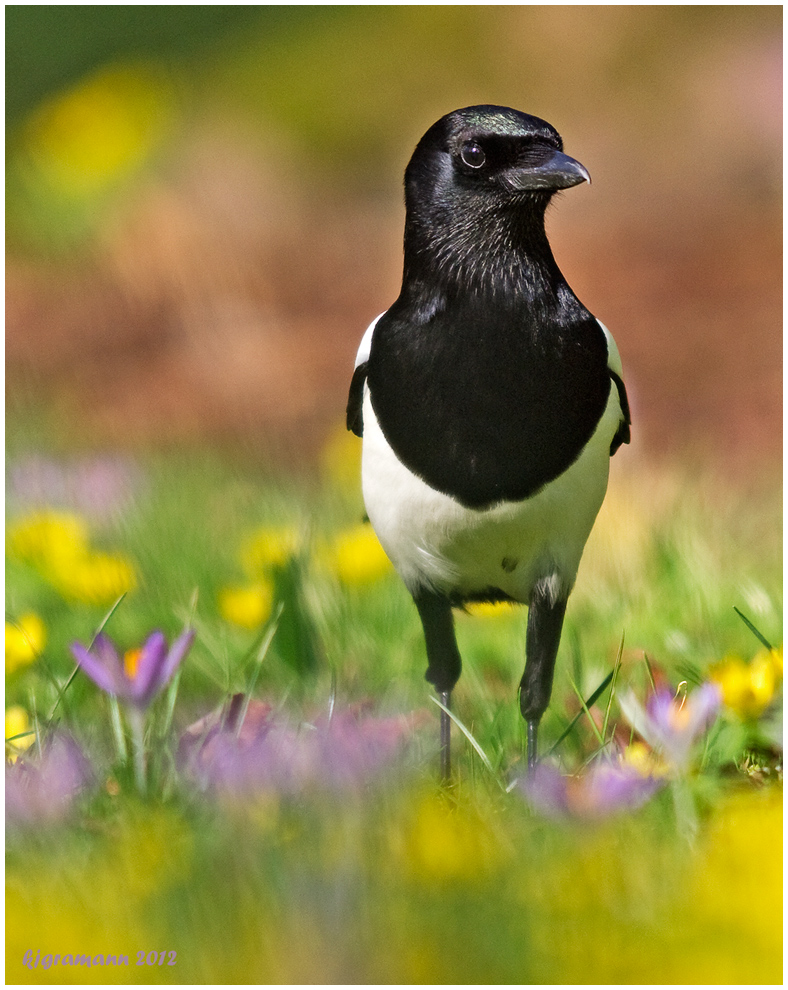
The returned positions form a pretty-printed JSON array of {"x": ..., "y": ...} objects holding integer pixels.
[{"x": 489, "y": 399}]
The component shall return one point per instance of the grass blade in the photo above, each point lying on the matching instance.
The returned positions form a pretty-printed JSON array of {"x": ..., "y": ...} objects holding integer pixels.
[
  {"x": 616, "y": 668},
  {"x": 172, "y": 694},
  {"x": 20, "y": 735},
  {"x": 592, "y": 699},
  {"x": 597, "y": 733},
  {"x": 649, "y": 671},
  {"x": 75, "y": 671},
  {"x": 466, "y": 732},
  {"x": 263, "y": 649},
  {"x": 756, "y": 632},
  {"x": 117, "y": 730}
]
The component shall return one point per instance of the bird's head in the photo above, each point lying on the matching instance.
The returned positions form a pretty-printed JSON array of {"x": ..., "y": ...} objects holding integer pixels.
[
  {"x": 477, "y": 187},
  {"x": 490, "y": 154}
]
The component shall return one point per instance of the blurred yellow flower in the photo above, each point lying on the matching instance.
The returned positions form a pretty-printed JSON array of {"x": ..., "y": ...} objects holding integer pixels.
[
  {"x": 491, "y": 610},
  {"x": 17, "y": 721},
  {"x": 775, "y": 657},
  {"x": 94, "y": 578},
  {"x": 642, "y": 758},
  {"x": 341, "y": 459},
  {"x": 247, "y": 606},
  {"x": 740, "y": 861},
  {"x": 100, "y": 130},
  {"x": 268, "y": 547},
  {"x": 47, "y": 538},
  {"x": 748, "y": 688},
  {"x": 445, "y": 843},
  {"x": 24, "y": 641},
  {"x": 57, "y": 544},
  {"x": 355, "y": 556},
  {"x": 151, "y": 849}
]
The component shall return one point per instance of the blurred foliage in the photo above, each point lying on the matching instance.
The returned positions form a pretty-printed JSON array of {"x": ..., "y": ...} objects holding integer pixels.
[
  {"x": 401, "y": 892},
  {"x": 345, "y": 89},
  {"x": 48, "y": 48},
  {"x": 355, "y": 91},
  {"x": 395, "y": 881},
  {"x": 656, "y": 570}
]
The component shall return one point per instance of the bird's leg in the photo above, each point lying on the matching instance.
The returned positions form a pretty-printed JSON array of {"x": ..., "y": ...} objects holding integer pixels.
[
  {"x": 545, "y": 619},
  {"x": 443, "y": 661},
  {"x": 445, "y": 700}
]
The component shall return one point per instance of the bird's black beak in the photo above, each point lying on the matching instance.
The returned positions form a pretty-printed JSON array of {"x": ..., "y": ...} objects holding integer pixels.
[{"x": 555, "y": 171}]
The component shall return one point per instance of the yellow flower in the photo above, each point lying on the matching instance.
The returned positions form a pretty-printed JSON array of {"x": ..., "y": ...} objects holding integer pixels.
[
  {"x": 47, "y": 538},
  {"x": 17, "y": 721},
  {"x": 268, "y": 547},
  {"x": 490, "y": 610},
  {"x": 642, "y": 758},
  {"x": 355, "y": 556},
  {"x": 24, "y": 641},
  {"x": 57, "y": 545},
  {"x": 739, "y": 861},
  {"x": 98, "y": 131},
  {"x": 747, "y": 688},
  {"x": 341, "y": 459},
  {"x": 444, "y": 843},
  {"x": 94, "y": 578},
  {"x": 247, "y": 606}
]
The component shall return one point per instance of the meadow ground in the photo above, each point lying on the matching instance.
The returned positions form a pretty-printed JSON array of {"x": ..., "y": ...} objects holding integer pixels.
[{"x": 267, "y": 810}]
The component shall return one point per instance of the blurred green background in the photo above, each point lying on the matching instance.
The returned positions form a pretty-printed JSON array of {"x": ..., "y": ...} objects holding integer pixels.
[{"x": 204, "y": 208}]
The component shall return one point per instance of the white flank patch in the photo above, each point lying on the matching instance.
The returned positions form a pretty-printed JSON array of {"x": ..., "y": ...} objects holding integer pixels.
[
  {"x": 366, "y": 343},
  {"x": 433, "y": 540}
]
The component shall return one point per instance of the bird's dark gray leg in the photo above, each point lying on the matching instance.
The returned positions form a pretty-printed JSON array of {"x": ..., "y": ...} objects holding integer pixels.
[
  {"x": 545, "y": 619},
  {"x": 443, "y": 661}
]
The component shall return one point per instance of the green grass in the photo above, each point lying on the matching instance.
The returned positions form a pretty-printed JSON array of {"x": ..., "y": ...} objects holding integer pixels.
[{"x": 400, "y": 881}]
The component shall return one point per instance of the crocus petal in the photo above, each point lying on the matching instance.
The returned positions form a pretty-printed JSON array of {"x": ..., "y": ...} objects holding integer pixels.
[
  {"x": 545, "y": 790},
  {"x": 342, "y": 756},
  {"x": 102, "y": 667},
  {"x": 178, "y": 651},
  {"x": 147, "y": 679},
  {"x": 43, "y": 791},
  {"x": 671, "y": 726},
  {"x": 661, "y": 710},
  {"x": 604, "y": 790},
  {"x": 107, "y": 653},
  {"x": 610, "y": 788},
  {"x": 706, "y": 702},
  {"x": 647, "y": 726}
]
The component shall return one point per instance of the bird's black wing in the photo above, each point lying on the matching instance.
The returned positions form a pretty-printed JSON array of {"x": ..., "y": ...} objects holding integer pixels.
[
  {"x": 355, "y": 400},
  {"x": 623, "y": 433}
]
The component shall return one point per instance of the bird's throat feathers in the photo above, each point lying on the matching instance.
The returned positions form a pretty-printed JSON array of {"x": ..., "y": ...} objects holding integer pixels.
[{"x": 500, "y": 252}]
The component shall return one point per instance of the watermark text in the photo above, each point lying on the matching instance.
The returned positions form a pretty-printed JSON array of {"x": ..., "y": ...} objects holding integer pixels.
[{"x": 153, "y": 958}]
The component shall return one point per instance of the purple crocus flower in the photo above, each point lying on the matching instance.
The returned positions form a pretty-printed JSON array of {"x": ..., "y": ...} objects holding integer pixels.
[
  {"x": 100, "y": 486},
  {"x": 545, "y": 789},
  {"x": 671, "y": 724},
  {"x": 140, "y": 675},
  {"x": 351, "y": 749},
  {"x": 607, "y": 788},
  {"x": 43, "y": 791},
  {"x": 340, "y": 755}
]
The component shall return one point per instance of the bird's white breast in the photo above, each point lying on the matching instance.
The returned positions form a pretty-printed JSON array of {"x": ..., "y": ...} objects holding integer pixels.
[{"x": 433, "y": 540}]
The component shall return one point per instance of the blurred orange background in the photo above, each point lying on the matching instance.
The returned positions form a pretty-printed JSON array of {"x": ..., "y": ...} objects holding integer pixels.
[{"x": 204, "y": 209}]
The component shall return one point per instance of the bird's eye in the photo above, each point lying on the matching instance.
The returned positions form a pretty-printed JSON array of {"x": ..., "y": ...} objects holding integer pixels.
[{"x": 472, "y": 155}]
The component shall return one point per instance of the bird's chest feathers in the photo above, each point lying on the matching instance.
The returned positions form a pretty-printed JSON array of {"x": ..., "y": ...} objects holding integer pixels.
[
  {"x": 488, "y": 407},
  {"x": 435, "y": 541}
]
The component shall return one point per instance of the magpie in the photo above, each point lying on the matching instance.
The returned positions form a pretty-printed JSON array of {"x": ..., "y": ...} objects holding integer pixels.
[{"x": 489, "y": 399}]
